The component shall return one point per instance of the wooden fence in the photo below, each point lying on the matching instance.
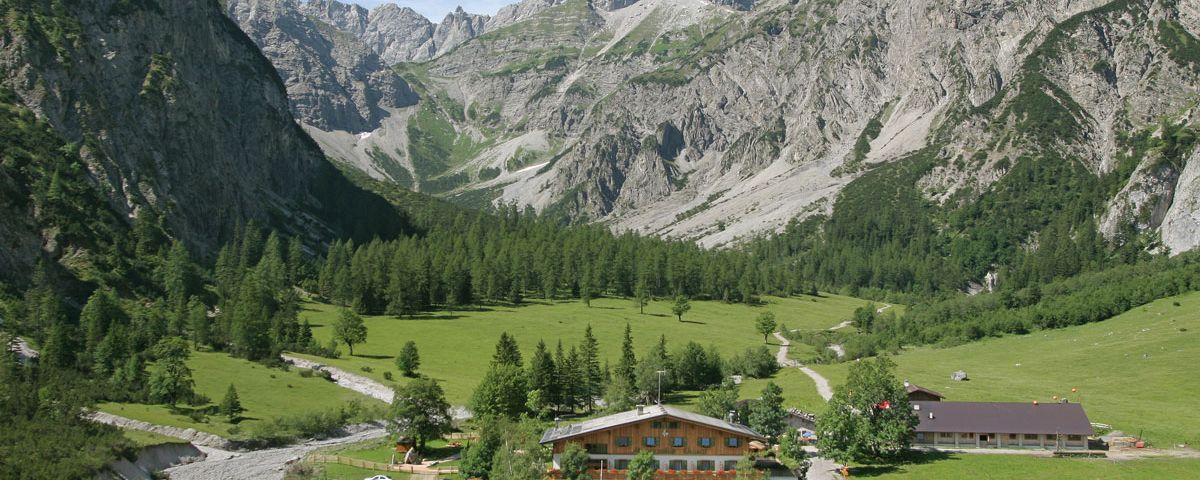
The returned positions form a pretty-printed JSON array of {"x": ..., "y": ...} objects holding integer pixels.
[{"x": 354, "y": 462}]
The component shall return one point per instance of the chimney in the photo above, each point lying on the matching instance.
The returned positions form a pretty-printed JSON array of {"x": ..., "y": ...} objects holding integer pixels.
[
  {"x": 931, "y": 415},
  {"x": 906, "y": 384},
  {"x": 731, "y": 417},
  {"x": 641, "y": 409},
  {"x": 556, "y": 420}
]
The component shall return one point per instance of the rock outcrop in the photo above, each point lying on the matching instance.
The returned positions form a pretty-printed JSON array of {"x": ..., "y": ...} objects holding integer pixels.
[{"x": 175, "y": 111}]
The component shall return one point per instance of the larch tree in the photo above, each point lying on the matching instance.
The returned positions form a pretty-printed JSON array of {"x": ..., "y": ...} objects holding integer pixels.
[
  {"x": 765, "y": 324},
  {"x": 409, "y": 359},
  {"x": 349, "y": 329}
]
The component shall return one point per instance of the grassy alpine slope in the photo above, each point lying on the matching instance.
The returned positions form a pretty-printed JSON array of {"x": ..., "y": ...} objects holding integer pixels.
[
  {"x": 456, "y": 347},
  {"x": 265, "y": 393},
  {"x": 1133, "y": 371},
  {"x": 1005, "y": 467}
]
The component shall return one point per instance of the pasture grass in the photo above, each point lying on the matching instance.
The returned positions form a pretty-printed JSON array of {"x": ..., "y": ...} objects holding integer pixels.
[
  {"x": 264, "y": 392},
  {"x": 1135, "y": 371},
  {"x": 456, "y": 347},
  {"x": 1022, "y": 467}
]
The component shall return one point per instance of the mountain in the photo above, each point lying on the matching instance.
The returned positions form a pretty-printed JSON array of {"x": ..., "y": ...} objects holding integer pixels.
[
  {"x": 123, "y": 111},
  {"x": 717, "y": 121}
]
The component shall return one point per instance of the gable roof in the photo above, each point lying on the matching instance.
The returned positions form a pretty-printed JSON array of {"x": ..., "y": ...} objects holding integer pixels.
[
  {"x": 911, "y": 389},
  {"x": 649, "y": 412},
  {"x": 993, "y": 417}
]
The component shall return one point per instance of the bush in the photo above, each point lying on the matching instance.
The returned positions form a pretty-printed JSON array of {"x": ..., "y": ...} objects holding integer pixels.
[
  {"x": 387, "y": 376},
  {"x": 306, "y": 372},
  {"x": 367, "y": 369}
]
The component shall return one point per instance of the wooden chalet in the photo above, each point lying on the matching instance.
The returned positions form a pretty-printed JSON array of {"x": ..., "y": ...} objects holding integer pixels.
[{"x": 686, "y": 445}]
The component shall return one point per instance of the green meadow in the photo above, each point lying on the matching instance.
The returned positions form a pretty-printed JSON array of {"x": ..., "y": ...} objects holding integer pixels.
[
  {"x": 265, "y": 393},
  {"x": 456, "y": 347},
  {"x": 1022, "y": 467},
  {"x": 1135, "y": 371}
]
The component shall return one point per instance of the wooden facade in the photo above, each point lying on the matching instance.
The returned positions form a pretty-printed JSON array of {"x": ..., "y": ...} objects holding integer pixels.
[
  {"x": 664, "y": 430},
  {"x": 683, "y": 443}
]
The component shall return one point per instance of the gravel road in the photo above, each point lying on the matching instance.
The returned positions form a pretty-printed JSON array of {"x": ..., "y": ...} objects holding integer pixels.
[
  {"x": 266, "y": 464},
  {"x": 822, "y": 383}
]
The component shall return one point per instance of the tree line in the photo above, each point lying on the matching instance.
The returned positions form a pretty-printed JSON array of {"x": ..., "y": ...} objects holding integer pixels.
[
  {"x": 568, "y": 379},
  {"x": 513, "y": 256}
]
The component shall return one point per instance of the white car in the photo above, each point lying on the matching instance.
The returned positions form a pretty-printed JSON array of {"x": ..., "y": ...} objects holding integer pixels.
[{"x": 379, "y": 477}]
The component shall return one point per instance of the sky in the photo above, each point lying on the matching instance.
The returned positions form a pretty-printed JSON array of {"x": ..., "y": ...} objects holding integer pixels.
[{"x": 436, "y": 10}]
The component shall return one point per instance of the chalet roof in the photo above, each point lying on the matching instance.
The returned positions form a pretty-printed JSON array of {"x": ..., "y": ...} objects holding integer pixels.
[
  {"x": 1046, "y": 418},
  {"x": 649, "y": 412},
  {"x": 911, "y": 388}
]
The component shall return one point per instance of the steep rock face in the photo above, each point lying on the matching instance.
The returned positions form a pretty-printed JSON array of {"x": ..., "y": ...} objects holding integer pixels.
[
  {"x": 691, "y": 118},
  {"x": 333, "y": 81},
  {"x": 174, "y": 110},
  {"x": 1181, "y": 225}
]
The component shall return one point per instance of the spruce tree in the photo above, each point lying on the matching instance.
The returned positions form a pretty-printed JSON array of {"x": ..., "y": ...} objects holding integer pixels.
[
  {"x": 542, "y": 379},
  {"x": 591, "y": 377},
  {"x": 767, "y": 416},
  {"x": 231, "y": 405},
  {"x": 627, "y": 365},
  {"x": 507, "y": 351}
]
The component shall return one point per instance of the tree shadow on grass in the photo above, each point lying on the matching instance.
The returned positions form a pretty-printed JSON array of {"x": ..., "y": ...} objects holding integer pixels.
[
  {"x": 693, "y": 321},
  {"x": 373, "y": 357},
  {"x": 433, "y": 316},
  {"x": 912, "y": 458}
]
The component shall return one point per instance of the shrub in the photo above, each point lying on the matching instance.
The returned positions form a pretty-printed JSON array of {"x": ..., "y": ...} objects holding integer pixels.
[
  {"x": 387, "y": 376},
  {"x": 306, "y": 372}
]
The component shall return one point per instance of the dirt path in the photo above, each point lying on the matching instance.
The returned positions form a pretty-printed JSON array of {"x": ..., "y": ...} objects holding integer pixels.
[
  {"x": 345, "y": 379},
  {"x": 270, "y": 463},
  {"x": 821, "y": 382}
]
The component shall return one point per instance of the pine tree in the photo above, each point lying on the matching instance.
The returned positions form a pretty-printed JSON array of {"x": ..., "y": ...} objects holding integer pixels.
[
  {"x": 231, "y": 406},
  {"x": 179, "y": 277},
  {"x": 409, "y": 359}
]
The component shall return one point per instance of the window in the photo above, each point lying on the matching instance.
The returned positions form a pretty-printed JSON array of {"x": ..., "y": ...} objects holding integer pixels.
[
  {"x": 1031, "y": 436},
  {"x": 946, "y": 435},
  {"x": 624, "y": 441},
  {"x": 706, "y": 465},
  {"x": 600, "y": 448},
  {"x": 730, "y": 465},
  {"x": 673, "y": 425},
  {"x": 732, "y": 442},
  {"x": 650, "y": 441},
  {"x": 1074, "y": 438},
  {"x": 705, "y": 442},
  {"x": 621, "y": 464},
  {"x": 678, "y": 442},
  {"x": 656, "y": 425},
  {"x": 920, "y": 436},
  {"x": 1012, "y": 436},
  {"x": 677, "y": 465}
]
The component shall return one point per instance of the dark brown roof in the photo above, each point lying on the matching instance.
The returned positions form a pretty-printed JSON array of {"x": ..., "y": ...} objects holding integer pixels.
[
  {"x": 1046, "y": 418},
  {"x": 917, "y": 388}
]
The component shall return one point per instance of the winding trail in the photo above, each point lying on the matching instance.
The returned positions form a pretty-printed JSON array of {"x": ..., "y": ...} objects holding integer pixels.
[
  {"x": 837, "y": 348},
  {"x": 364, "y": 385},
  {"x": 821, "y": 382}
]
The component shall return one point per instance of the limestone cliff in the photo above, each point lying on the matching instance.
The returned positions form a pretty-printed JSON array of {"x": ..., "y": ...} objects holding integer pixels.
[{"x": 175, "y": 111}]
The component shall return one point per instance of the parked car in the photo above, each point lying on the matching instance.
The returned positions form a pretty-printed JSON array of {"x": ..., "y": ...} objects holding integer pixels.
[{"x": 379, "y": 477}]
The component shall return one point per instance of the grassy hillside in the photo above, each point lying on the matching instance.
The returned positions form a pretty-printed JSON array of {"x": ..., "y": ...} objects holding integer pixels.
[
  {"x": 457, "y": 347},
  {"x": 1005, "y": 467},
  {"x": 266, "y": 393},
  {"x": 1135, "y": 371}
]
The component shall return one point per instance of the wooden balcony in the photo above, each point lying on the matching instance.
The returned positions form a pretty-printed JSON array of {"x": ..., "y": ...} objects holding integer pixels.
[{"x": 662, "y": 474}]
